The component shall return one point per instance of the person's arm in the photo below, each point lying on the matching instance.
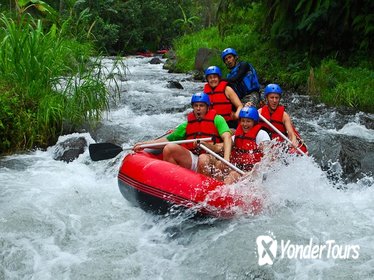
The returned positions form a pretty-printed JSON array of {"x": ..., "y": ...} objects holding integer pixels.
[
  {"x": 178, "y": 134},
  {"x": 233, "y": 97},
  {"x": 227, "y": 145},
  {"x": 225, "y": 134},
  {"x": 288, "y": 125},
  {"x": 242, "y": 72},
  {"x": 217, "y": 148},
  {"x": 137, "y": 147}
]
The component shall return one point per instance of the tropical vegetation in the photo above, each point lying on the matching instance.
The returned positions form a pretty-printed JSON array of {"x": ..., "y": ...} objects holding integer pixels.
[
  {"x": 323, "y": 48},
  {"x": 50, "y": 52}
]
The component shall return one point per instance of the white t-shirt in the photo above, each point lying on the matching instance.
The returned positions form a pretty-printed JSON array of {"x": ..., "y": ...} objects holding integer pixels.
[{"x": 262, "y": 136}]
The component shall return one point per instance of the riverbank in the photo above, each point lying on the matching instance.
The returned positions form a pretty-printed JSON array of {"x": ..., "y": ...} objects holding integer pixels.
[
  {"x": 49, "y": 85},
  {"x": 326, "y": 79}
]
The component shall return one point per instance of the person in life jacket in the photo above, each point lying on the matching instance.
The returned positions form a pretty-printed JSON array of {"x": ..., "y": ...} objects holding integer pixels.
[
  {"x": 201, "y": 122},
  {"x": 276, "y": 115},
  {"x": 242, "y": 77},
  {"x": 223, "y": 98},
  {"x": 249, "y": 142}
]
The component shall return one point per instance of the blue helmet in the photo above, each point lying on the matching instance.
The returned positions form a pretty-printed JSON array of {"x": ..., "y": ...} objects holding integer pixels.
[
  {"x": 249, "y": 113},
  {"x": 228, "y": 51},
  {"x": 200, "y": 97},
  {"x": 272, "y": 88},
  {"x": 213, "y": 70}
]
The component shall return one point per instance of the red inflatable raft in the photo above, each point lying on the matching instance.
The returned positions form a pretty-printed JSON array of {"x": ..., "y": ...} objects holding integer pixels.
[{"x": 157, "y": 185}]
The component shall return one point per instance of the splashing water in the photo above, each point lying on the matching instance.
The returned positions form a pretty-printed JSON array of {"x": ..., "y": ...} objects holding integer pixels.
[{"x": 69, "y": 221}]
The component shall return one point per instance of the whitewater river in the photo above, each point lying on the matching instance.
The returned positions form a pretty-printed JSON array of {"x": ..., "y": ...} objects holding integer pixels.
[{"x": 69, "y": 220}]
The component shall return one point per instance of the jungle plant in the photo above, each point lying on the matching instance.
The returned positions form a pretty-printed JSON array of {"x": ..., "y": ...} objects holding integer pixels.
[
  {"x": 186, "y": 24},
  {"x": 50, "y": 85}
]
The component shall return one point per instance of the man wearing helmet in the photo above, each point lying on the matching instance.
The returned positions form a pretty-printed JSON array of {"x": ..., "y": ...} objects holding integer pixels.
[
  {"x": 242, "y": 77},
  {"x": 276, "y": 115},
  {"x": 201, "y": 123},
  {"x": 249, "y": 141},
  {"x": 223, "y": 98}
]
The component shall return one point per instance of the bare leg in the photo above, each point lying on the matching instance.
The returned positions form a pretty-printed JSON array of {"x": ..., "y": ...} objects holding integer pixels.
[
  {"x": 178, "y": 155},
  {"x": 232, "y": 177},
  {"x": 205, "y": 165}
]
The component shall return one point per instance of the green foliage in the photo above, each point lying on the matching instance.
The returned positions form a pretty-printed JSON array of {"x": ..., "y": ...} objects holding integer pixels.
[
  {"x": 334, "y": 84},
  {"x": 37, "y": 103},
  {"x": 77, "y": 25},
  {"x": 351, "y": 87},
  {"x": 125, "y": 26},
  {"x": 188, "y": 45},
  {"x": 321, "y": 27},
  {"x": 11, "y": 119},
  {"x": 118, "y": 26},
  {"x": 24, "y": 5},
  {"x": 232, "y": 14},
  {"x": 291, "y": 68},
  {"x": 106, "y": 35},
  {"x": 186, "y": 24}
]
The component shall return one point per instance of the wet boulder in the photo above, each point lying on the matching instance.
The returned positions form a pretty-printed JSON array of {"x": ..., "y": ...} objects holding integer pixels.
[
  {"x": 203, "y": 58},
  {"x": 174, "y": 84},
  {"x": 356, "y": 157},
  {"x": 171, "y": 63},
  {"x": 367, "y": 121},
  {"x": 155, "y": 60},
  {"x": 70, "y": 149},
  {"x": 353, "y": 155}
]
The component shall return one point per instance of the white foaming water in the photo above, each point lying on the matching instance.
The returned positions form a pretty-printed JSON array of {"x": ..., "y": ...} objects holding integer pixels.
[
  {"x": 69, "y": 221},
  {"x": 354, "y": 129}
]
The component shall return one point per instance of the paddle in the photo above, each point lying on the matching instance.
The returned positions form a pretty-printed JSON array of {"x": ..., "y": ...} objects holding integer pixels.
[
  {"x": 101, "y": 151},
  {"x": 281, "y": 134}
]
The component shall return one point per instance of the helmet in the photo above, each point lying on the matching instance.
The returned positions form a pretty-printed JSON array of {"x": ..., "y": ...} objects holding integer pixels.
[
  {"x": 249, "y": 113},
  {"x": 200, "y": 97},
  {"x": 228, "y": 51},
  {"x": 213, "y": 70},
  {"x": 272, "y": 88}
]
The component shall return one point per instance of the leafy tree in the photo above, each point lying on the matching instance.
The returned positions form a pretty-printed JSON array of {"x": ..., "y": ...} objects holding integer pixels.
[
  {"x": 321, "y": 27},
  {"x": 233, "y": 13}
]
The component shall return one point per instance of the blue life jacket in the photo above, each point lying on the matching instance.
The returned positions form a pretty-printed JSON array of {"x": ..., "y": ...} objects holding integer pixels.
[{"x": 248, "y": 84}]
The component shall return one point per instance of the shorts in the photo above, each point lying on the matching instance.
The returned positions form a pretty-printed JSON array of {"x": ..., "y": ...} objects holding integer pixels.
[{"x": 194, "y": 160}]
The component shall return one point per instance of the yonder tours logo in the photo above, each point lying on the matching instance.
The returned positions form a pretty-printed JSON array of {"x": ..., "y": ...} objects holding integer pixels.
[
  {"x": 268, "y": 246},
  {"x": 266, "y": 249}
]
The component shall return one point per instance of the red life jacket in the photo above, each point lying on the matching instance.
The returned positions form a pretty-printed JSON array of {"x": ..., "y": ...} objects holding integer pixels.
[
  {"x": 201, "y": 128},
  {"x": 245, "y": 152},
  {"x": 276, "y": 119},
  {"x": 218, "y": 99}
]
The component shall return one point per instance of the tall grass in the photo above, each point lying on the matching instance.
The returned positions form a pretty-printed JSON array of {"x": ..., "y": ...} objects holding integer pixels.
[
  {"x": 352, "y": 87},
  {"x": 35, "y": 110},
  {"x": 188, "y": 45}
]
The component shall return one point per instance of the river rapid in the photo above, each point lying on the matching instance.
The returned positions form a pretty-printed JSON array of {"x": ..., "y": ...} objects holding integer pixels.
[{"x": 63, "y": 220}]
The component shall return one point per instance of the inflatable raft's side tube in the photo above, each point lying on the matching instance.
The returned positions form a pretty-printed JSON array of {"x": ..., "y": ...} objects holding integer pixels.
[{"x": 156, "y": 185}]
